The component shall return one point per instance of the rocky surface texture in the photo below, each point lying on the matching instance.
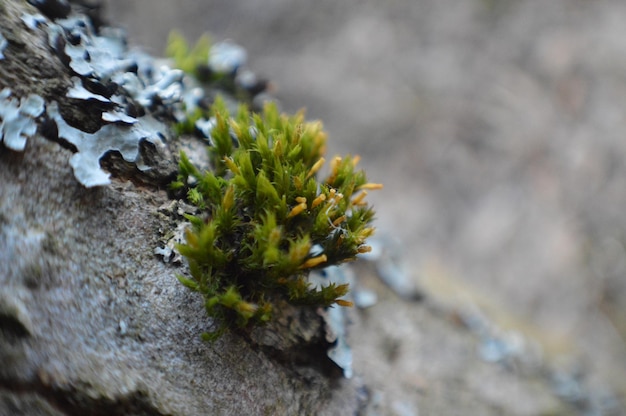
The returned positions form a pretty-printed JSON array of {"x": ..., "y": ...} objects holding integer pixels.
[{"x": 496, "y": 128}]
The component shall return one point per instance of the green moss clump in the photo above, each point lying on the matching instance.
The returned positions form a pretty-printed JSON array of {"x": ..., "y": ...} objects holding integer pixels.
[
  {"x": 266, "y": 220},
  {"x": 189, "y": 59}
]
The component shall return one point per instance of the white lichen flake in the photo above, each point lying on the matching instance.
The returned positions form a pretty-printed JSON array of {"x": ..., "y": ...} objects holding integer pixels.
[
  {"x": 81, "y": 93},
  {"x": 128, "y": 86},
  {"x": 32, "y": 21},
  {"x": 18, "y": 119},
  {"x": 226, "y": 57},
  {"x": 3, "y": 44},
  {"x": 93, "y": 146}
]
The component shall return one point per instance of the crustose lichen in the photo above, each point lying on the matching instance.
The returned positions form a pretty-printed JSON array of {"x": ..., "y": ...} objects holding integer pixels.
[{"x": 266, "y": 220}]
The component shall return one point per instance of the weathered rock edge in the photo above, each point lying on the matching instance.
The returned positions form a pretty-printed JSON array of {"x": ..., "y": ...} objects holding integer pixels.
[{"x": 91, "y": 322}]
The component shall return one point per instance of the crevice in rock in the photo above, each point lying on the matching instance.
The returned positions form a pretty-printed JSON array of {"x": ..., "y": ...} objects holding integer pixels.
[{"x": 73, "y": 402}]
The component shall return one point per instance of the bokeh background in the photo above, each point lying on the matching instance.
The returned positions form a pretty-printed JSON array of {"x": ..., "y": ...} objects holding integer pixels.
[{"x": 497, "y": 126}]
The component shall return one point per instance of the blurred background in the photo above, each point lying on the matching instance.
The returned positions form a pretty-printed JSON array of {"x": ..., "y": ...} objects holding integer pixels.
[{"x": 498, "y": 128}]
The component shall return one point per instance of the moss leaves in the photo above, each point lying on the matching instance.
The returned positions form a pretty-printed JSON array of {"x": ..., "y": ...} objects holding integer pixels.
[{"x": 266, "y": 219}]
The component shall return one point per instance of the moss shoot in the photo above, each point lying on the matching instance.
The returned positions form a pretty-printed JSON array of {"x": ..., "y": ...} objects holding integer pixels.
[
  {"x": 189, "y": 59},
  {"x": 265, "y": 220}
]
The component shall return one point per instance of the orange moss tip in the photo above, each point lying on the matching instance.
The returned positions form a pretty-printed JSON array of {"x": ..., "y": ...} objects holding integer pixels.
[
  {"x": 345, "y": 303},
  {"x": 370, "y": 186},
  {"x": 355, "y": 160},
  {"x": 321, "y": 198},
  {"x": 334, "y": 165},
  {"x": 334, "y": 196},
  {"x": 315, "y": 261},
  {"x": 316, "y": 166},
  {"x": 358, "y": 200},
  {"x": 297, "y": 210},
  {"x": 364, "y": 249},
  {"x": 301, "y": 200},
  {"x": 335, "y": 162},
  {"x": 339, "y": 220}
]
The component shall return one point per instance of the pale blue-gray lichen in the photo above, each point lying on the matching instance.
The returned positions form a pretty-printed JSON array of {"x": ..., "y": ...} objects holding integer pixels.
[
  {"x": 81, "y": 93},
  {"x": 32, "y": 21},
  {"x": 93, "y": 55},
  {"x": 93, "y": 146},
  {"x": 54, "y": 9},
  {"x": 226, "y": 57},
  {"x": 18, "y": 119},
  {"x": 3, "y": 44},
  {"x": 335, "y": 318},
  {"x": 127, "y": 86}
]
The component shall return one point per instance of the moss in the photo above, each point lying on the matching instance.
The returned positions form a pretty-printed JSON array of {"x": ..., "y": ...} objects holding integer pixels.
[
  {"x": 189, "y": 59},
  {"x": 213, "y": 67},
  {"x": 265, "y": 219}
]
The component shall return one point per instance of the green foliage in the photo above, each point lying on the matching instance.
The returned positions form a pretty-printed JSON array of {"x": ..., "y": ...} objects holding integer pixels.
[
  {"x": 266, "y": 220},
  {"x": 188, "y": 124},
  {"x": 187, "y": 58}
]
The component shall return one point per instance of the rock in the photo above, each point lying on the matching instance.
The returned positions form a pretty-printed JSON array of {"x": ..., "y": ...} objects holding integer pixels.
[{"x": 14, "y": 317}]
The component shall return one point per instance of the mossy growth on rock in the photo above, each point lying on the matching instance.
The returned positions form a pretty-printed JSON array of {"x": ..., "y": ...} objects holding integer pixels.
[
  {"x": 189, "y": 59},
  {"x": 265, "y": 220}
]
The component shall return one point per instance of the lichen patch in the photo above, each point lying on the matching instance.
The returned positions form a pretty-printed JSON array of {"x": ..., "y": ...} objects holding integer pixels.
[{"x": 18, "y": 119}]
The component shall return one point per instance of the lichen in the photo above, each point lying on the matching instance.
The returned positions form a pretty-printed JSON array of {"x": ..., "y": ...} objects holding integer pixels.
[
  {"x": 266, "y": 220},
  {"x": 226, "y": 57},
  {"x": 18, "y": 119},
  {"x": 32, "y": 21},
  {"x": 336, "y": 319},
  {"x": 91, "y": 147},
  {"x": 218, "y": 66},
  {"x": 52, "y": 8},
  {"x": 132, "y": 96},
  {"x": 90, "y": 54},
  {"x": 3, "y": 44}
]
